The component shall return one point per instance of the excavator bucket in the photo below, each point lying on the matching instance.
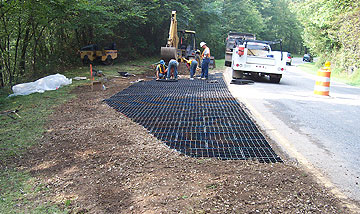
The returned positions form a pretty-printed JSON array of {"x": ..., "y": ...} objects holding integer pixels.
[{"x": 168, "y": 53}]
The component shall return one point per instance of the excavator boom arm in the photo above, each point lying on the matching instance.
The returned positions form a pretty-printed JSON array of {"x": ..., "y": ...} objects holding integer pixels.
[{"x": 173, "y": 39}]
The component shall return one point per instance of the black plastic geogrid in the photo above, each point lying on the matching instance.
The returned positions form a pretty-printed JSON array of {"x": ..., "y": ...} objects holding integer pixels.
[{"x": 195, "y": 117}]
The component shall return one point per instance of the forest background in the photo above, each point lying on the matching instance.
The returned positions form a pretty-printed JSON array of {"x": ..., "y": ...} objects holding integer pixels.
[{"x": 38, "y": 37}]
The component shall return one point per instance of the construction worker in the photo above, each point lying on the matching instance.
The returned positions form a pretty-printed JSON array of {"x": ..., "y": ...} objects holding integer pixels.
[
  {"x": 205, "y": 61},
  {"x": 192, "y": 65},
  {"x": 172, "y": 69},
  {"x": 160, "y": 70}
]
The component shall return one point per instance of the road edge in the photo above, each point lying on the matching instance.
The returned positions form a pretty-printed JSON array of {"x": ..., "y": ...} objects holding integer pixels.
[{"x": 291, "y": 151}]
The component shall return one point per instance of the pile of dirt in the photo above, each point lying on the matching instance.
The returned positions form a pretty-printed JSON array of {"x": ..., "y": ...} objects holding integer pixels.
[{"x": 104, "y": 163}]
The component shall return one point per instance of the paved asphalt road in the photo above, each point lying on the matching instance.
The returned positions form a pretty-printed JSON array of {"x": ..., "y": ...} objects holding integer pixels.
[{"x": 324, "y": 130}]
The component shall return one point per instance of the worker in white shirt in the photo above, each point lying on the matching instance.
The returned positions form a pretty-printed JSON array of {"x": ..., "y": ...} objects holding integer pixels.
[{"x": 205, "y": 61}]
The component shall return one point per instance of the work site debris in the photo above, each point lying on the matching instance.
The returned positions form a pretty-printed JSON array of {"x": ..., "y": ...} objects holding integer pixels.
[
  {"x": 97, "y": 73},
  {"x": 9, "y": 112},
  {"x": 139, "y": 80},
  {"x": 241, "y": 81},
  {"x": 79, "y": 78},
  {"x": 125, "y": 74}
]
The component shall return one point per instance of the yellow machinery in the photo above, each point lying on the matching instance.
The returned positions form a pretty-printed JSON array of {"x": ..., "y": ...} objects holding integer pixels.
[
  {"x": 90, "y": 53},
  {"x": 170, "y": 51},
  {"x": 183, "y": 47},
  {"x": 177, "y": 48}
]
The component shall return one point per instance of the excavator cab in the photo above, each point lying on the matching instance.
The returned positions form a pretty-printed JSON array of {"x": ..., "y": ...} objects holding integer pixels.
[{"x": 187, "y": 44}]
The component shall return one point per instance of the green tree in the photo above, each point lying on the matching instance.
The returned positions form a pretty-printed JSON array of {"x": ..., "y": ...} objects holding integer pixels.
[
  {"x": 39, "y": 36},
  {"x": 331, "y": 30}
]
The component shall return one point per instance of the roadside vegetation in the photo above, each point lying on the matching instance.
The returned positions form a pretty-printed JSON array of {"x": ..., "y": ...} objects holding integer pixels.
[
  {"x": 42, "y": 37},
  {"x": 331, "y": 32}
]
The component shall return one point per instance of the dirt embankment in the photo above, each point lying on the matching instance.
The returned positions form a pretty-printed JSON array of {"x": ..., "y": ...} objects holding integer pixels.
[{"x": 104, "y": 163}]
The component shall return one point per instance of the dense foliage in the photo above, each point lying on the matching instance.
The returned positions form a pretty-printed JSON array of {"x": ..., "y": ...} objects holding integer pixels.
[
  {"x": 42, "y": 36},
  {"x": 332, "y": 31}
]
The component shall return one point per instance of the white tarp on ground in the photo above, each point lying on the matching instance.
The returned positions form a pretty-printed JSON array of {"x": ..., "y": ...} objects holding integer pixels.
[{"x": 51, "y": 82}]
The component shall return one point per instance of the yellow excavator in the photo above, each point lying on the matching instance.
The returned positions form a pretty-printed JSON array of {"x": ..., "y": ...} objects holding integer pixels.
[
  {"x": 179, "y": 48},
  {"x": 183, "y": 47},
  {"x": 170, "y": 51}
]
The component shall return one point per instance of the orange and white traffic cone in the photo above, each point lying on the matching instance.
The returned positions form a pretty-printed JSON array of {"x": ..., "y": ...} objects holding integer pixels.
[{"x": 322, "y": 84}]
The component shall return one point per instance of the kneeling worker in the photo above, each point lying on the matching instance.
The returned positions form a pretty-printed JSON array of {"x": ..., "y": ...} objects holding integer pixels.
[
  {"x": 192, "y": 65},
  {"x": 172, "y": 69},
  {"x": 160, "y": 70}
]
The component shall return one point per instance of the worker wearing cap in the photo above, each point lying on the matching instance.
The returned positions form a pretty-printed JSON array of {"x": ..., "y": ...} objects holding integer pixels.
[
  {"x": 205, "y": 61},
  {"x": 160, "y": 70},
  {"x": 172, "y": 69},
  {"x": 192, "y": 65}
]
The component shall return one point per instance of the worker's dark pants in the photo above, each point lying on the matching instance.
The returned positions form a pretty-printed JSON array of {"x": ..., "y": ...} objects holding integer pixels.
[
  {"x": 193, "y": 67},
  {"x": 205, "y": 68},
  {"x": 162, "y": 75}
]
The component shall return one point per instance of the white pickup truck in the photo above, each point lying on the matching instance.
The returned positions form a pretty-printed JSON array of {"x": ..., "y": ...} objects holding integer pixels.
[{"x": 255, "y": 58}]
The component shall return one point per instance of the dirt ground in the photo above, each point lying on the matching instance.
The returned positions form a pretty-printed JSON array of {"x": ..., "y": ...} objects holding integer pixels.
[{"x": 103, "y": 162}]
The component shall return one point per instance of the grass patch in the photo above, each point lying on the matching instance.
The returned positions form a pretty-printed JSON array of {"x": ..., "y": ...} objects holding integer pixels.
[
  {"x": 211, "y": 186},
  {"x": 297, "y": 55},
  {"x": 309, "y": 67},
  {"x": 220, "y": 64},
  {"x": 133, "y": 66},
  {"x": 21, "y": 133},
  {"x": 18, "y": 190},
  {"x": 337, "y": 75}
]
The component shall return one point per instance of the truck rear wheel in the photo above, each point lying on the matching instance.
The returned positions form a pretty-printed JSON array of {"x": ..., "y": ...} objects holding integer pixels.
[
  {"x": 237, "y": 74},
  {"x": 275, "y": 78},
  {"x": 228, "y": 63}
]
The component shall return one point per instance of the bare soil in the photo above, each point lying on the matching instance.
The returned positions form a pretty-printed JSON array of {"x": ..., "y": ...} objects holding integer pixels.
[{"x": 103, "y": 162}]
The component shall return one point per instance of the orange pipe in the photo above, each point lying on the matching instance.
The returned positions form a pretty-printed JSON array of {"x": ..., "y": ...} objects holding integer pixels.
[{"x": 91, "y": 72}]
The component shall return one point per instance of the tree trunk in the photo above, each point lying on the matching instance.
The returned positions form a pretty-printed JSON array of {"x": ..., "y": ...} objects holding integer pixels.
[
  {"x": 36, "y": 42},
  {"x": 16, "y": 50},
  {"x": 2, "y": 83},
  {"x": 33, "y": 63},
  {"x": 23, "y": 52}
]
